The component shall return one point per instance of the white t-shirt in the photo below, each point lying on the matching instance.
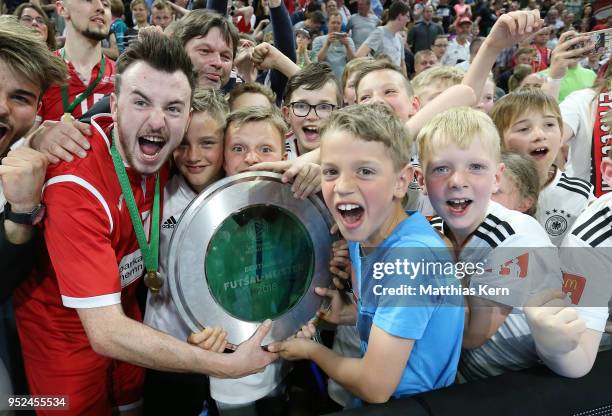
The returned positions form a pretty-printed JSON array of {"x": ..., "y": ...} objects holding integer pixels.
[
  {"x": 161, "y": 312},
  {"x": 455, "y": 53},
  {"x": 382, "y": 40},
  {"x": 586, "y": 261},
  {"x": 560, "y": 203},
  {"x": 578, "y": 111},
  {"x": 518, "y": 255}
]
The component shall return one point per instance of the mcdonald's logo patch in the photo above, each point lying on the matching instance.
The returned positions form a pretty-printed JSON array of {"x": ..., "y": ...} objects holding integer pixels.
[{"x": 574, "y": 285}]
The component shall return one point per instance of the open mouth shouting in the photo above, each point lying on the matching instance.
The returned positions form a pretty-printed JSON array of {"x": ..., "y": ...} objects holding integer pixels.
[
  {"x": 151, "y": 145},
  {"x": 351, "y": 214},
  {"x": 539, "y": 153},
  {"x": 4, "y": 129},
  {"x": 458, "y": 206},
  {"x": 311, "y": 133}
]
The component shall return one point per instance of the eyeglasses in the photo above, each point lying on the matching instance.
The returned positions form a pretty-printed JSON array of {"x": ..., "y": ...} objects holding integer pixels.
[
  {"x": 30, "y": 19},
  {"x": 301, "y": 109},
  {"x": 442, "y": 45}
]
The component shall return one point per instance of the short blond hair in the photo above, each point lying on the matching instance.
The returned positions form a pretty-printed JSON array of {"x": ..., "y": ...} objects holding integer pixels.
[
  {"x": 525, "y": 100},
  {"x": 460, "y": 127},
  {"x": 381, "y": 64},
  {"x": 353, "y": 66},
  {"x": 135, "y": 3},
  {"x": 446, "y": 74},
  {"x": 373, "y": 123},
  {"x": 161, "y": 5},
  {"x": 212, "y": 102},
  {"x": 251, "y": 88},
  {"x": 271, "y": 115},
  {"x": 523, "y": 173}
]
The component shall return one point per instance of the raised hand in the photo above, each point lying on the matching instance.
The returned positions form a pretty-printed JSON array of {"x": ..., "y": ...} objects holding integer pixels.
[
  {"x": 555, "y": 327},
  {"x": 512, "y": 28}
]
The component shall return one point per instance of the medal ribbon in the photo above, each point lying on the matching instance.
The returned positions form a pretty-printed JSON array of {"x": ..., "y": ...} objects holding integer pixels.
[
  {"x": 150, "y": 253},
  {"x": 70, "y": 106}
]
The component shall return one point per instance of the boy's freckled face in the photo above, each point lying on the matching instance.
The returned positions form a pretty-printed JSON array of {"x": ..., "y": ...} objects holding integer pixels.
[
  {"x": 199, "y": 157},
  {"x": 387, "y": 87},
  {"x": 253, "y": 142},
  {"x": 459, "y": 183},
  {"x": 536, "y": 136},
  {"x": 306, "y": 129},
  {"x": 359, "y": 185}
]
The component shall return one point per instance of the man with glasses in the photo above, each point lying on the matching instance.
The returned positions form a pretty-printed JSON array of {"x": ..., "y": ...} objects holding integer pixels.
[
  {"x": 311, "y": 95},
  {"x": 439, "y": 46}
]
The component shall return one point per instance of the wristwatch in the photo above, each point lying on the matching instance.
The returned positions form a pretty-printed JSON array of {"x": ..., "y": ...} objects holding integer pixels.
[{"x": 26, "y": 218}]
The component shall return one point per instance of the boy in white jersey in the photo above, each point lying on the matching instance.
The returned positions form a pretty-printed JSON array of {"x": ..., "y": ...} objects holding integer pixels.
[
  {"x": 586, "y": 254},
  {"x": 529, "y": 122},
  {"x": 252, "y": 135},
  {"x": 199, "y": 161},
  {"x": 460, "y": 152}
]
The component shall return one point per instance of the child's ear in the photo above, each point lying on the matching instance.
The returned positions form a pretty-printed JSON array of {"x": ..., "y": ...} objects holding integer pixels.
[
  {"x": 284, "y": 156},
  {"x": 498, "y": 177},
  {"x": 404, "y": 178},
  {"x": 286, "y": 113},
  {"x": 416, "y": 105},
  {"x": 420, "y": 177},
  {"x": 606, "y": 170}
]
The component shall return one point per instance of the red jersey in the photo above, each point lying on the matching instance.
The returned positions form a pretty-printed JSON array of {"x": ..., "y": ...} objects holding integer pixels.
[
  {"x": 94, "y": 257},
  {"x": 542, "y": 58},
  {"x": 52, "y": 106}
]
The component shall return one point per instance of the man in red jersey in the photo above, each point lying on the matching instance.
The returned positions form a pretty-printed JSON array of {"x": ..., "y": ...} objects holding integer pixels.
[
  {"x": 91, "y": 74},
  {"x": 78, "y": 318},
  {"x": 91, "y": 77}
]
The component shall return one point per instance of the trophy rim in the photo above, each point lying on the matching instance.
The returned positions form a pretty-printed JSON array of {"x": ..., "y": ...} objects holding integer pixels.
[{"x": 196, "y": 306}]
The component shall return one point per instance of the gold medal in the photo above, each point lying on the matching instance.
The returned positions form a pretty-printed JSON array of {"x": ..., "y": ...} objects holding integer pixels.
[
  {"x": 154, "y": 281},
  {"x": 67, "y": 118}
]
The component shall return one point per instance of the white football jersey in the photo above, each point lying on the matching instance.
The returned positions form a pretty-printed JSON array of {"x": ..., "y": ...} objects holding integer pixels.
[
  {"x": 586, "y": 261},
  {"x": 519, "y": 258},
  {"x": 560, "y": 203}
]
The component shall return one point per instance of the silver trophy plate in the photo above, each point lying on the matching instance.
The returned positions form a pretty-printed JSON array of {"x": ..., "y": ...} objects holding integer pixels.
[{"x": 246, "y": 250}]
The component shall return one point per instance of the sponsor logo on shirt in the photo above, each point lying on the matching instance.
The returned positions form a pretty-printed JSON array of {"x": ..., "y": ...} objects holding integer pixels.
[
  {"x": 516, "y": 267},
  {"x": 169, "y": 223},
  {"x": 574, "y": 285},
  {"x": 131, "y": 268}
]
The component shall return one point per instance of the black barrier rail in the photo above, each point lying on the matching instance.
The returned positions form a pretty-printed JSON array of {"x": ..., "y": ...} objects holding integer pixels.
[{"x": 536, "y": 391}]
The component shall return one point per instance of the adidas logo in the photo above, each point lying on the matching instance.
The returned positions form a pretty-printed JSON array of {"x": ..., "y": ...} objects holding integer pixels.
[{"x": 170, "y": 223}]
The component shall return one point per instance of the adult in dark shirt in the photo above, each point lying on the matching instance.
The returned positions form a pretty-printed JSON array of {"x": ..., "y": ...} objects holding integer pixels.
[
  {"x": 487, "y": 15},
  {"x": 424, "y": 32}
]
